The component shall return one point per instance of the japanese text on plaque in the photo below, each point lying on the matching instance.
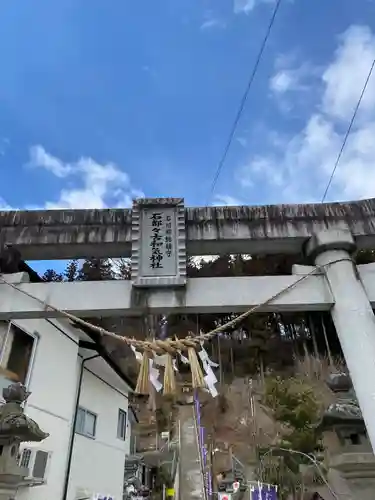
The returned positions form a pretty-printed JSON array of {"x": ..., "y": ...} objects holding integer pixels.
[{"x": 161, "y": 239}]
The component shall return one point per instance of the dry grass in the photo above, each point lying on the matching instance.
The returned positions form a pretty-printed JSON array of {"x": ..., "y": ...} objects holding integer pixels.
[
  {"x": 239, "y": 421},
  {"x": 314, "y": 368},
  {"x": 315, "y": 371}
]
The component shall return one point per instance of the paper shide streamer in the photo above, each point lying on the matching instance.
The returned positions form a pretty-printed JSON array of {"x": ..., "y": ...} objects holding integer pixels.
[{"x": 148, "y": 374}]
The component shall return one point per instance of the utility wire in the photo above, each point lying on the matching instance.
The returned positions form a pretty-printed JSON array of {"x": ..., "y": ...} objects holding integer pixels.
[
  {"x": 244, "y": 98},
  {"x": 348, "y": 131}
]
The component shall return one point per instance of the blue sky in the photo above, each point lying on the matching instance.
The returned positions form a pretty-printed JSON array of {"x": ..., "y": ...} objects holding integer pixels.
[{"x": 103, "y": 101}]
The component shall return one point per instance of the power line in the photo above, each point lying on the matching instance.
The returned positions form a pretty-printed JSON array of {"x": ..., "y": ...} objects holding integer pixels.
[
  {"x": 348, "y": 131},
  {"x": 244, "y": 98}
]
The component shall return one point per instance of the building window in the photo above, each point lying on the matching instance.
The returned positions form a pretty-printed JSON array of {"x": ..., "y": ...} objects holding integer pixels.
[
  {"x": 133, "y": 439},
  {"x": 121, "y": 425},
  {"x": 86, "y": 422},
  {"x": 16, "y": 356}
]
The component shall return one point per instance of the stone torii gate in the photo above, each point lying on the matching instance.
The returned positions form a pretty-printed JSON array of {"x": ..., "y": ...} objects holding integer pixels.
[{"x": 158, "y": 233}]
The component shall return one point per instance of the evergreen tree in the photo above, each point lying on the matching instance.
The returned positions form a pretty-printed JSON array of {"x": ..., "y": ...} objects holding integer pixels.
[
  {"x": 96, "y": 270},
  {"x": 52, "y": 275},
  {"x": 72, "y": 271}
]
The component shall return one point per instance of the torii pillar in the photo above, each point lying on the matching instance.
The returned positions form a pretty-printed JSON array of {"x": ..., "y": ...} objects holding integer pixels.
[{"x": 352, "y": 315}]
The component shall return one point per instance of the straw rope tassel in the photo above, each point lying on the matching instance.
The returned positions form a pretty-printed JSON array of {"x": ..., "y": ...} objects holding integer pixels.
[
  {"x": 197, "y": 378},
  {"x": 143, "y": 381},
  {"x": 169, "y": 377}
]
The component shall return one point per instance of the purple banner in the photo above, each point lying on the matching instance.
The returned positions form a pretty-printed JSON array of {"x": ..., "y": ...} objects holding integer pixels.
[
  {"x": 202, "y": 447},
  {"x": 264, "y": 493}
]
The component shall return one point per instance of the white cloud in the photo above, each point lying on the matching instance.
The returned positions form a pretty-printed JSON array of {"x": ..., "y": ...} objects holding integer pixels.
[
  {"x": 40, "y": 158},
  {"x": 247, "y": 6},
  {"x": 297, "y": 168},
  {"x": 4, "y": 205},
  {"x": 345, "y": 77},
  {"x": 283, "y": 81},
  {"x": 126, "y": 199},
  {"x": 294, "y": 79},
  {"x": 295, "y": 84},
  {"x": 226, "y": 200},
  {"x": 242, "y": 140},
  {"x": 99, "y": 185},
  {"x": 4, "y": 144},
  {"x": 213, "y": 23}
]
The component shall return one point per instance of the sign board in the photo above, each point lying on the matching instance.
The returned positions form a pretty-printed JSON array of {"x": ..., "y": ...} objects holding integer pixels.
[{"x": 158, "y": 242}]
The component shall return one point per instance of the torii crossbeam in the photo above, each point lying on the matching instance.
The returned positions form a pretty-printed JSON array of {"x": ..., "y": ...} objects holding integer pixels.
[{"x": 67, "y": 234}]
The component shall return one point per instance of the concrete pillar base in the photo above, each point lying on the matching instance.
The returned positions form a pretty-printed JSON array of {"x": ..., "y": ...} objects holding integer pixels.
[{"x": 7, "y": 493}]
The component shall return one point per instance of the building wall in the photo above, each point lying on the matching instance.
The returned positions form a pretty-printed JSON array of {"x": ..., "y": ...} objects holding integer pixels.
[
  {"x": 99, "y": 463},
  {"x": 53, "y": 386}
]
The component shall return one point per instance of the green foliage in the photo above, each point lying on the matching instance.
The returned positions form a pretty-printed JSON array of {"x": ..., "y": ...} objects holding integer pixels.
[
  {"x": 292, "y": 401},
  {"x": 295, "y": 405},
  {"x": 302, "y": 440}
]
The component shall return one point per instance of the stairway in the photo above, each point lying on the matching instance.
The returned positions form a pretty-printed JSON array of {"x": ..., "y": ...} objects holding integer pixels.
[{"x": 191, "y": 481}]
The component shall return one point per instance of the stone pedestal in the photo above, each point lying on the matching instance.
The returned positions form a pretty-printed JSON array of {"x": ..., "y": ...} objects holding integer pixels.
[
  {"x": 7, "y": 493},
  {"x": 11, "y": 474},
  {"x": 10, "y": 481},
  {"x": 353, "y": 475}
]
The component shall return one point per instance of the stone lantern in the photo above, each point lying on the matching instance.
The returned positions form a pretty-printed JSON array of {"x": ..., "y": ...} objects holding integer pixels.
[
  {"x": 342, "y": 424},
  {"x": 349, "y": 458},
  {"x": 15, "y": 428}
]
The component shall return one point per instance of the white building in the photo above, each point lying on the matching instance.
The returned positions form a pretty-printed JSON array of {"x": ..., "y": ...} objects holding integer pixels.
[{"x": 47, "y": 356}]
